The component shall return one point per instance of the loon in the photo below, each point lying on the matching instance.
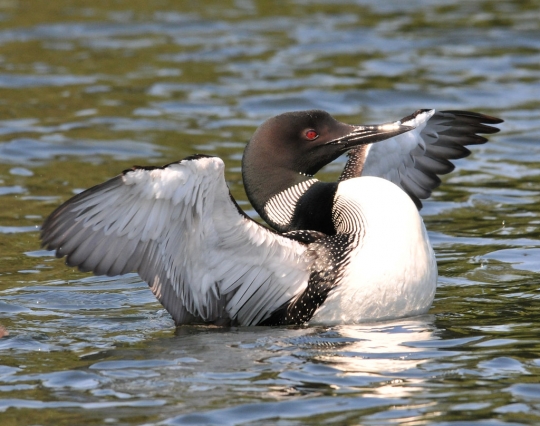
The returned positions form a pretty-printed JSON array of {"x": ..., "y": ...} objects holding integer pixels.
[{"x": 350, "y": 251}]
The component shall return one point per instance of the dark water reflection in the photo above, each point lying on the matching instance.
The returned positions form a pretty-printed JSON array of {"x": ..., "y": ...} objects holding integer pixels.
[{"x": 89, "y": 89}]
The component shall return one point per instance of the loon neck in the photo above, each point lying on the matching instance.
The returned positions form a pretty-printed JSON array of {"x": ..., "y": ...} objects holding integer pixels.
[
  {"x": 288, "y": 200},
  {"x": 305, "y": 206},
  {"x": 262, "y": 180},
  {"x": 265, "y": 177}
]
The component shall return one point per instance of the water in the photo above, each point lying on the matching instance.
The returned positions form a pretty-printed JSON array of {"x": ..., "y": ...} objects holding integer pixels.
[{"x": 89, "y": 89}]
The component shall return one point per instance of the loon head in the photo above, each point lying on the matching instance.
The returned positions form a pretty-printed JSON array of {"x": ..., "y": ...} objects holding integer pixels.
[{"x": 292, "y": 147}]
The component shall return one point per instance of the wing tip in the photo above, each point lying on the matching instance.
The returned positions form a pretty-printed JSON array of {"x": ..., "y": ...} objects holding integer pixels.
[{"x": 481, "y": 118}]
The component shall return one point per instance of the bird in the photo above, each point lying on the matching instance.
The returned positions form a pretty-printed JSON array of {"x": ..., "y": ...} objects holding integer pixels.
[{"x": 349, "y": 251}]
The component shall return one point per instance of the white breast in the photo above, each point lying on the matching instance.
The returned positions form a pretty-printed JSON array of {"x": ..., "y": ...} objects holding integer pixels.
[{"x": 392, "y": 271}]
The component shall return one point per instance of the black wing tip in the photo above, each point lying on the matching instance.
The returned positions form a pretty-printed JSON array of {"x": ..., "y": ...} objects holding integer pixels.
[
  {"x": 482, "y": 118},
  {"x": 46, "y": 234},
  {"x": 47, "y": 225},
  {"x": 44, "y": 244}
]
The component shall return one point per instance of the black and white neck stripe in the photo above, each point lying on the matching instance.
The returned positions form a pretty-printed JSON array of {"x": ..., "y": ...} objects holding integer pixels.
[{"x": 281, "y": 207}]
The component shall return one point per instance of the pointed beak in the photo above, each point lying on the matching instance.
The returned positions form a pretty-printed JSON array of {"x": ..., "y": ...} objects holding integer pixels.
[{"x": 364, "y": 135}]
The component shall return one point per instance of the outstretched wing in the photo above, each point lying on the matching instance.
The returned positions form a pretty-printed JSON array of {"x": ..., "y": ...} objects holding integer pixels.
[
  {"x": 413, "y": 160},
  {"x": 181, "y": 230}
]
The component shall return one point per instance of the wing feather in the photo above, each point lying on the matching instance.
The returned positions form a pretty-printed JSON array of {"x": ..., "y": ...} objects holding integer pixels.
[
  {"x": 413, "y": 159},
  {"x": 179, "y": 228}
]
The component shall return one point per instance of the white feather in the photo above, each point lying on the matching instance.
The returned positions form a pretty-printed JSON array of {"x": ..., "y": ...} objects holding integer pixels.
[
  {"x": 216, "y": 263},
  {"x": 392, "y": 272},
  {"x": 393, "y": 159}
]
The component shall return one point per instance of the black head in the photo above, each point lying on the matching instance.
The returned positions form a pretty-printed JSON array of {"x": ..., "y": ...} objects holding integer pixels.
[
  {"x": 298, "y": 141},
  {"x": 287, "y": 147},
  {"x": 305, "y": 141}
]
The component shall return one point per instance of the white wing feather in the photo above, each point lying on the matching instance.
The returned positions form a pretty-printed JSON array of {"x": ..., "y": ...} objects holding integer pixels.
[
  {"x": 179, "y": 228},
  {"x": 412, "y": 160},
  {"x": 394, "y": 159}
]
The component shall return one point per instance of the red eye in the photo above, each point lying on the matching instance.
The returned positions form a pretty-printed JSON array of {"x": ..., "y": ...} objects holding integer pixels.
[{"x": 311, "y": 134}]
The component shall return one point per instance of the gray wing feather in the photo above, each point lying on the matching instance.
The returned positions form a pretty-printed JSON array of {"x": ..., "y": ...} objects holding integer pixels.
[
  {"x": 178, "y": 227},
  {"x": 413, "y": 160}
]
